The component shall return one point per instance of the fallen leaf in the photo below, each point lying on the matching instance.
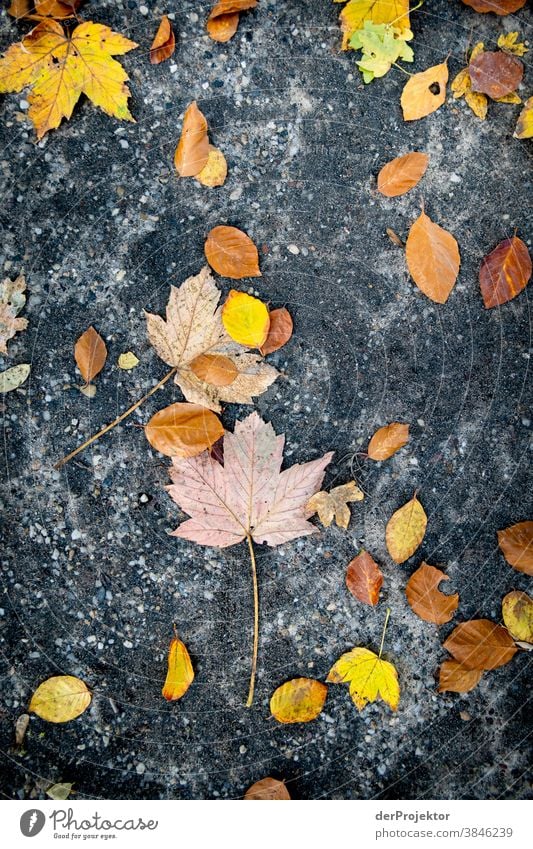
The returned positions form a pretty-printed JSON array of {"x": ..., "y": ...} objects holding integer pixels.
[
  {"x": 516, "y": 544},
  {"x": 60, "y": 67},
  {"x": 462, "y": 87},
  {"x": 424, "y": 93},
  {"x": 433, "y": 258},
  {"x": 194, "y": 327},
  {"x": 59, "y": 792},
  {"x": 509, "y": 41},
  {"x": 357, "y": 12},
  {"x": 164, "y": 43},
  {"x": 500, "y": 7},
  {"x": 215, "y": 170},
  {"x": 128, "y": 361},
  {"x": 387, "y": 440},
  {"x": 402, "y": 174},
  {"x": 524, "y": 126},
  {"x": 495, "y": 73},
  {"x": 14, "y": 377},
  {"x": 60, "y": 699},
  {"x": 248, "y": 495},
  {"x": 21, "y": 726},
  {"x": 370, "y": 678},
  {"x": 245, "y": 319},
  {"x": 279, "y": 331},
  {"x": 58, "y": 9},
  {"x": 215, "y": 369},
  {"x": 298, "y": 700},
  {"x": 426, "y": 599},
  {"x": 180, "y": 673},
  {"x": 183, "y": 430},
  {"x": 478, "y": 103},
  {"x": 382, "y": 46},
  {"x": 193, "y": 147},
  {"x": 517, "y": 613},
  {"x": 89, "y": 390},
  {"x": 12, "y": 300},
  {"x": 231, "y": 253},
  {"x": 90, "y": 353},
  {"x": 405, "y": 530},
  {"x": 224, "y": 18},
  {"x": 364, "y": 578},
  {"x": 395, "y": 239},
  {"x": 505, "y": 272},
  {"x": 456, "y": 678},
  {"x": 480, "y": 644},
  {"x": 334, "y": 504},
  {"x": 513, "y": 97},
  {"x": 268, "y": 788}
]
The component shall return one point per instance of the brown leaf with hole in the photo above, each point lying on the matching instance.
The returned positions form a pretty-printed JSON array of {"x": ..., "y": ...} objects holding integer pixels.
[
  {"x": 505, "y": 272},
  {"x": 387, "y": 440},
  {"x": 334, "y": 504},
  {"x": 516, "y": 544},
  {"x": 183, "y": 430},
  {"x": 426, "y": 599},
  {"x": 215, "y": 369},
  {"x": 364, "y": 578},
  {"x": 433, "y": 258},
  {"x": 424, "y": 93},
  {"x": 402, "y": 174},
  {"x": 90, "y": 353},
  {"x": 193, "y": 147},
  {"x": 268, "y": 788},
  {"x": 164, "y": 43},
  {"x": 180, "y": 673},
  {"x": 499, "y": 7},
  {"x": 481, "y": 644},
  {"x": 495, "y": 73},
  {"x": 405, "y": 530},
  {"x": 456, "y": 678},
  {"x": 279, "y": 332},
  {"x": 231, "y": 253}
]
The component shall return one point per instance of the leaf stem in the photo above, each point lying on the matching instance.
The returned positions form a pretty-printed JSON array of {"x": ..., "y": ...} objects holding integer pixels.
[
  {"x": 116, "y": 421},
  {"x": 250, "y": 698},
  {"x": 384, "y": 630}
]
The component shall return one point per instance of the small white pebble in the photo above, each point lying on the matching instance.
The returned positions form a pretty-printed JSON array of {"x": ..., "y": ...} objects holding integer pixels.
[{"x": 293, "y": 249}]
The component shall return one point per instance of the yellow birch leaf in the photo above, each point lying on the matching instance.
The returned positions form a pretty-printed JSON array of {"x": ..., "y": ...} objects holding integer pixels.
[
  {"x": 180, "y": 673},
  {"x": 215, "y": 170},
  {"x": 478, "y": 103},
  {"x": 405, "y": 530},
  {"x": 60, "y": 698},
  {"x": 517, "y": 613},
  {"x": 298, "y": 700},
  {"x": 370, "y": 678},
  {"x": 356, "y": 12},
  {"x": 245, "y": 319},
  {"x": 128, "y": 361},
  {"x": 524, "y": 127}
]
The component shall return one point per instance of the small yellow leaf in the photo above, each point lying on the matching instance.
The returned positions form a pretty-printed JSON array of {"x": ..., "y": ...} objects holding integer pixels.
[
  {"x": 512, "y": 97},
  {"x": 60, "y": 699},
  {"x": 298, "y": 700},
  {"x": 245, "y": 319},
  {"x": 478, "y": 103},
  {"x": 128, "y": 361},
  {"x": 180, "y": 673},
  {"x": 369, "y": 677},
  {"x": 215, "y": 170},
  {"x": 356, "y": 12},
  {"x": 14, "y": 377},
  {"x": 461, "y": 84},
  {"x": 405, "y": 530},
  {"x": 509, "y": 42},
  {"x": 524, "y": 127},
  {"x": 517, "y": 612}
]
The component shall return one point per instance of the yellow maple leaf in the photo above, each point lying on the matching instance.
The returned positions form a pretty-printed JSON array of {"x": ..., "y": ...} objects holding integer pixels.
[
  {"x": 356, "y": 12},
  {"x": 370, "y": 678},
  {"x": 59, "y": 68}
]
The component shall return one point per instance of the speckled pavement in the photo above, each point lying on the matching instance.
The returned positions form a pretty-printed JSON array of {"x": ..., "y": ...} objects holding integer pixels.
[{"x": 92, "y": 582}]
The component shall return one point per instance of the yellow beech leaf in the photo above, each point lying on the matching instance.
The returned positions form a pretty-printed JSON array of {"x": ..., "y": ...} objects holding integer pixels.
[
  {"x": 128, "y": 361},
  {"x": 517, "y": 613},
  {"x": 356, "y": 12},
  {"x": 60, "y": 67},
  {"x": 405, "y": 530},
  {"x": 370, "y": 678},
  {"x": 215, "y": 170},
  {"x": 334, "y": 504},
  {"x": 180, "y": 673},
  {"x": 245, "y": 319},
  {"x": 60, "y": 699},
  {"x": 524, "y": 127},
  {"x": 424, "y": 93},
  {"x": 298, "y": 700}
]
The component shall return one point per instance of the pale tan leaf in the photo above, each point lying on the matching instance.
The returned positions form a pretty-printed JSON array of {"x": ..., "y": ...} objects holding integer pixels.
[
  {"x": 12, "y": 300},
  {"x": 334, "y": 504},
  {"x": 14, "y": 377},
  {"x": 60, "y": 699}
]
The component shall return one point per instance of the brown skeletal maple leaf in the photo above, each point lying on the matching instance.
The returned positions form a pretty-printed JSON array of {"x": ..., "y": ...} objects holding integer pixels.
[{"x": 12, "y": 299}]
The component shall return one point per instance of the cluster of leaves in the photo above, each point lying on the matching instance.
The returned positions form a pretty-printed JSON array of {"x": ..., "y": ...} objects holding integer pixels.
[{"x": 495, "y": 75}]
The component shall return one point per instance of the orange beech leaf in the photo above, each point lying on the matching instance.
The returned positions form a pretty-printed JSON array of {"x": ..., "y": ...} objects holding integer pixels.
[
  {"x": 499, "y": 7},
  {"x": 505, "y": 272},
  {"x": 424, "y": 93},
  {"x": 183, "y": 430},
  {"x": 387, "y": 440},
  {"x": 59, "y": 9},
  {"x": 481, "y": 644},
  {"x": 426, "y": 599},
  {"x": 402, "y": 174},
  {"x": 164, "y": 43},
  {"x": 215, "y": 369},
  {"x": 456, "y": 678},
  {"x": 90, "y": 353},
  {"x": 268, "y": 788},
  {"x": 298, "y": 700},
  {"x": 516, "y": 544},
  {"x": 364, "y": 578},
  {"x": 223, "y": 28},
  {"x": 495, "y": 74},
  {"x": 180, "y": 673},
  {"x": 433, "y": 258},
  {"x": 231, "y": 253},
  {"x": 192, "y": 151},
  {"x": 279, "y": 332}
]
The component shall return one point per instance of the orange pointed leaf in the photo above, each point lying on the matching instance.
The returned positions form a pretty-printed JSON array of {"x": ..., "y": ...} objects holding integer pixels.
[
  {"x": 516, "y": 544},
  {"x": 505, "y": 272},
  {"x": 364, "y": 578},
  {"x": 231, "y": 253},
  {"x": 180, "y": 673},
  {"x": 183, "y": 430},
  {"x": 456, "y": 678},
  {"x": 269, "y": 789},
  {"x": 164, "y": 43},
  {"x": 481, "y": 644},
  {"x": 387, "y": 440},
  {"x": 90, "y": 353},
  {"x": 192, "y": 151},
  {"x": 433, "y": 258},
  {"x": 279, "y": 331},
  {"x": 402, "y": 174}
]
